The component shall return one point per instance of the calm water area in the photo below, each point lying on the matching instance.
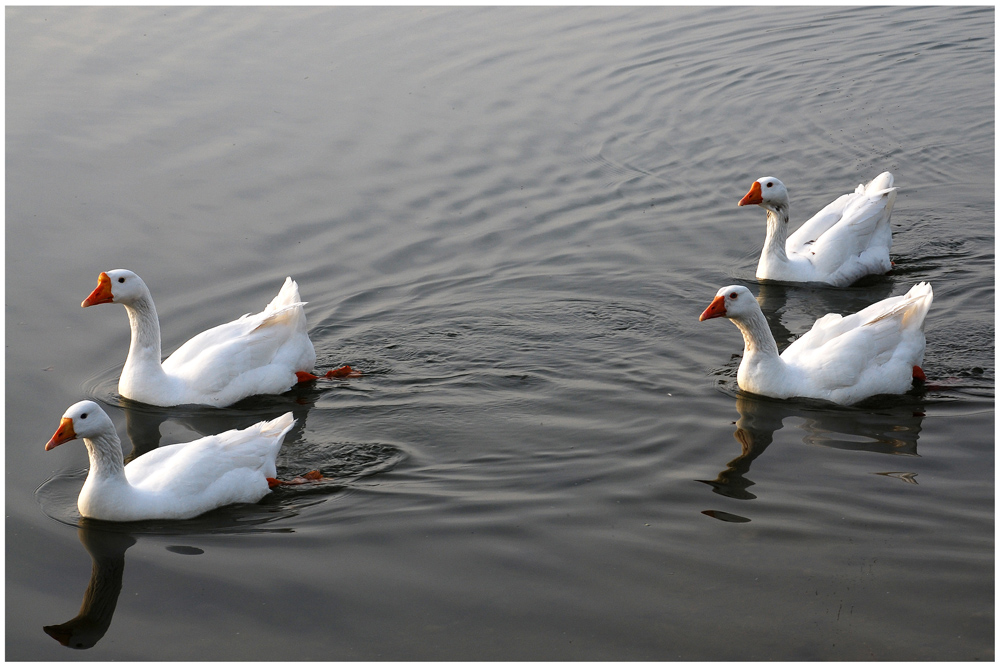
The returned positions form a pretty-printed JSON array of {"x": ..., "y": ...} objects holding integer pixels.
[{"x": 509, "y": 219}]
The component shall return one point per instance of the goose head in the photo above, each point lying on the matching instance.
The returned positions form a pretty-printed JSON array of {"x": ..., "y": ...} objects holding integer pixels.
[
  {"x": 734, "y": 302},
  {"x": 85, "y": 419},
  {"x": 767, "y": 192},
  {"x": 117, "y": 286}
]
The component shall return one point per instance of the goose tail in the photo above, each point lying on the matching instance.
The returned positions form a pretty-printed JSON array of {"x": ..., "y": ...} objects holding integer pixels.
[
  {"x": 917, "y": 302},
  {"x": 278, "y": 427},
  {"x": 879, "y": 185},
  {"x": 287, "y": 296}
]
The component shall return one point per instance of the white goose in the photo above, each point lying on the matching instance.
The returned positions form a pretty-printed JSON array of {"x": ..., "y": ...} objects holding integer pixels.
[
  {"x": 847, "y": 240},
  {"x": 846, "y": 359},
  {"x": 172, "y": 482},
  {"x": 265, "y": 353}
]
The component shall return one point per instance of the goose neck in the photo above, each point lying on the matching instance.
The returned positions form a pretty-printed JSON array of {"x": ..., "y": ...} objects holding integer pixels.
[
  {"x": 106, "y": 461},
  {"x": 145, "y": 346},
  {"x": 757, "y": 336},
  {"x": 777, "y": 232}
]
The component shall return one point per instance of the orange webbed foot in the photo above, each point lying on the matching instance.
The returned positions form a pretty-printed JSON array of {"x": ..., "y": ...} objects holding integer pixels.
[
  {"x": 311, "y": 476},
  {"x": 344, "y": 371},
  {"x": 918, "y": 374}
]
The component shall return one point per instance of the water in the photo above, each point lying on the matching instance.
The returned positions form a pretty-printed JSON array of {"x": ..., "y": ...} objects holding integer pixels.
[{"x": 510, "y": 220}]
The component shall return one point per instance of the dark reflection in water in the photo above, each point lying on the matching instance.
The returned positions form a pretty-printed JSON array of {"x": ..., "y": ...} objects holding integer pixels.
[
  {"x": 890, "y": 429},
  {"x": 185, "y": 550},
  {"x": 107, "y": 551},
  {"x": 726, "y": 516},
  {"x": 143, "y": 422},
  {"x": 106, "y": 544}
]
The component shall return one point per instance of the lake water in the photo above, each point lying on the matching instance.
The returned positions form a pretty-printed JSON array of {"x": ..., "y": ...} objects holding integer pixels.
[{"x": 509, "y": 220}]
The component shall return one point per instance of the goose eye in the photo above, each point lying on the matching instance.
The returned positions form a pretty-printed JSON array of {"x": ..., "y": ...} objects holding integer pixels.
[
  {"x": 770, "y": 184},
  {"x": 122, "y": 279},
  {"x": 733, "y": 295},
  {"x": 83, "y": 416}
]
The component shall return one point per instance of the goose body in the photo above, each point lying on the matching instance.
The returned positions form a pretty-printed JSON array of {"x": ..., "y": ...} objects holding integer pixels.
[
  {"x": 847, "y": 240},
  {"x": 255, "y": 354},
  {"x": 843, "y": 359},
  {"x": 173, "y": 482}
]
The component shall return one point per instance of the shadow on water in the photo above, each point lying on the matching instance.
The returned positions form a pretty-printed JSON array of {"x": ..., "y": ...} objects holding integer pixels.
[
  {"x": 106, "y": 543},
  {"x": 107, "y": 553},
  {"x": 885, "y": 426}
]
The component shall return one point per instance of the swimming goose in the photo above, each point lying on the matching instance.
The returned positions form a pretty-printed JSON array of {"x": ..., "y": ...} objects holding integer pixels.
[
  {"x": 175, "y": 481},
  {"x": 265, "y": 353},
  {"x": 843, "y": 359},
  {"x": 847, "y": 240}
]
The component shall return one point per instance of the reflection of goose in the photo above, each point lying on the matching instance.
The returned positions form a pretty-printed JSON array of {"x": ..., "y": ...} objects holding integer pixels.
[
  {"x": 143, "y": 422},
  {"x": 754, "y": 431},
  {"x": 847, "y": 240},
  {"x": 173, "y": 482},
  {"x": 843, "y": 359},
  {"x": 892, "y": 430},
  {"x": 266, "y": 353},
  {"x": 107, "y": 551}
]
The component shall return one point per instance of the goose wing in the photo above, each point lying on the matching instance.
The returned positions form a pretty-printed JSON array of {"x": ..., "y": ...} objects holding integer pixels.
[{"x": 189, "y": 469}]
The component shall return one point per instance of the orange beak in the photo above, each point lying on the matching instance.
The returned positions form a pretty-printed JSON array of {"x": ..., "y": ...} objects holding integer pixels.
[
  {"x": 101, "y": 293},
  {"x": 752, "y": 197},
  {"x": 715, "y": 309},
  {"x": 64, "y": 433}
]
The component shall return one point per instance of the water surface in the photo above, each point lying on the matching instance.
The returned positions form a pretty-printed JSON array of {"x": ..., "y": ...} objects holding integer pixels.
[{"x": 509, "y": 220}]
